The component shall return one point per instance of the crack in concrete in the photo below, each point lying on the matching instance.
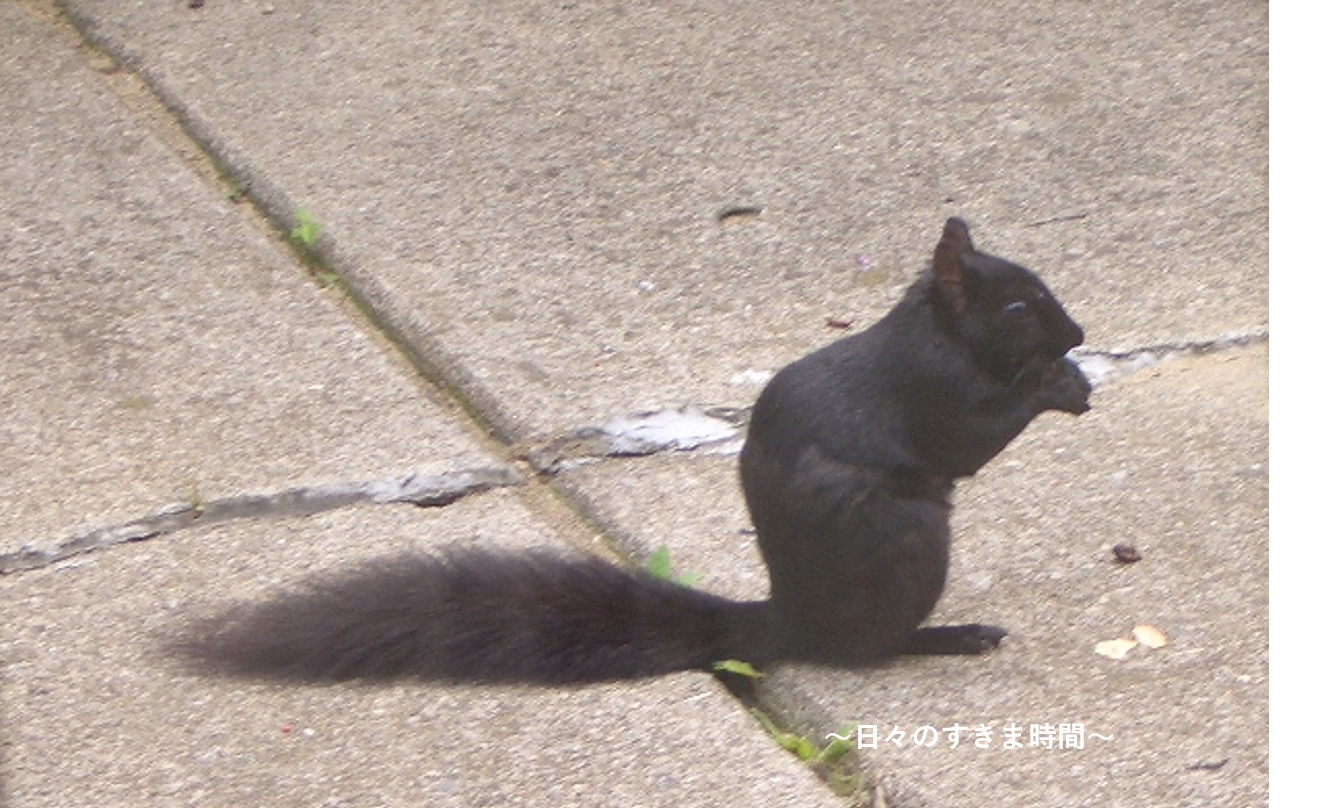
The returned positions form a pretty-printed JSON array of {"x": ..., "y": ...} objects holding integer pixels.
[
  {"x": 422, "y": 490},
  {"x": 1104, "y": 366},
  {"x": 714, "y": 430},
  {"x": 721, "y": 430},
  {"x": 687, "y": 429}
]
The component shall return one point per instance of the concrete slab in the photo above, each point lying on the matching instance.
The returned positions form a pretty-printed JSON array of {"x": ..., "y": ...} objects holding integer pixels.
[
  {"x": 163, "y": 350},
  {"x": 531, "y": 193},
  {"x": 689, "y": 504},
  {"x": 574, "y": 212},
  {"x": 160, "y": 348},
  {"x": 93, "y": 714}
]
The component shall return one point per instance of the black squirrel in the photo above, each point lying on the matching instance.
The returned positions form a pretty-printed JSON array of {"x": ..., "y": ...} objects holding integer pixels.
[{"x": 847, "y": 470}]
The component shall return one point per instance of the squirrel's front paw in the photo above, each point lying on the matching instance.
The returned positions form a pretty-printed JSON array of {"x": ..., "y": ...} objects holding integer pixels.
[{"x": 1065, "y": 388}]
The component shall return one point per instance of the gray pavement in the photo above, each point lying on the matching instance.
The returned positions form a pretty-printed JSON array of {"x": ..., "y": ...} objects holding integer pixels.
[{"x": 524, "y": 205}]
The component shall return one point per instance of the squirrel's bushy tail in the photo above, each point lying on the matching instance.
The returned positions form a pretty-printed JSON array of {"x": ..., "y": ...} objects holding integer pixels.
[{"x": 482, "y": 616}]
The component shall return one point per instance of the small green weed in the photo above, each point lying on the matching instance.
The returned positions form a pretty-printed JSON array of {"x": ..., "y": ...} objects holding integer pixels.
[
  {"x": 237, "y": 190},
  {"x": 195, "y": 501},
  {"x": 307, "y": 228},
  {"x": 738, "y": 667},
  {"x": 305, "y": 233},
  {"x": 830, "y": 761},
  {"x": 659, "y": 566},
  {"x": 805, "y": 749}
]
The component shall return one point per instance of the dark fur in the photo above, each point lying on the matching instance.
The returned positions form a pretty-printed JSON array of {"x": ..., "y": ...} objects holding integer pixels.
[
  {"x": 847, "y": 471},
  {"x": 475, "y": 615}
]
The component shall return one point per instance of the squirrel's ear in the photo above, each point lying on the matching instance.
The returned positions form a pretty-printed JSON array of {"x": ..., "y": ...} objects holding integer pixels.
[{"x": 948, "y": 263}]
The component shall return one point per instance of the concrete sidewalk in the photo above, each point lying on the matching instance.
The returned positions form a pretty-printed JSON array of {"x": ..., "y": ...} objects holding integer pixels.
[{"x": 539, "y": 218}]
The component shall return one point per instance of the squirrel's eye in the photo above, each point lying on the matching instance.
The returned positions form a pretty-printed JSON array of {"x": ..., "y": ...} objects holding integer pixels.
[{"x": 1016, "y": 308}]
